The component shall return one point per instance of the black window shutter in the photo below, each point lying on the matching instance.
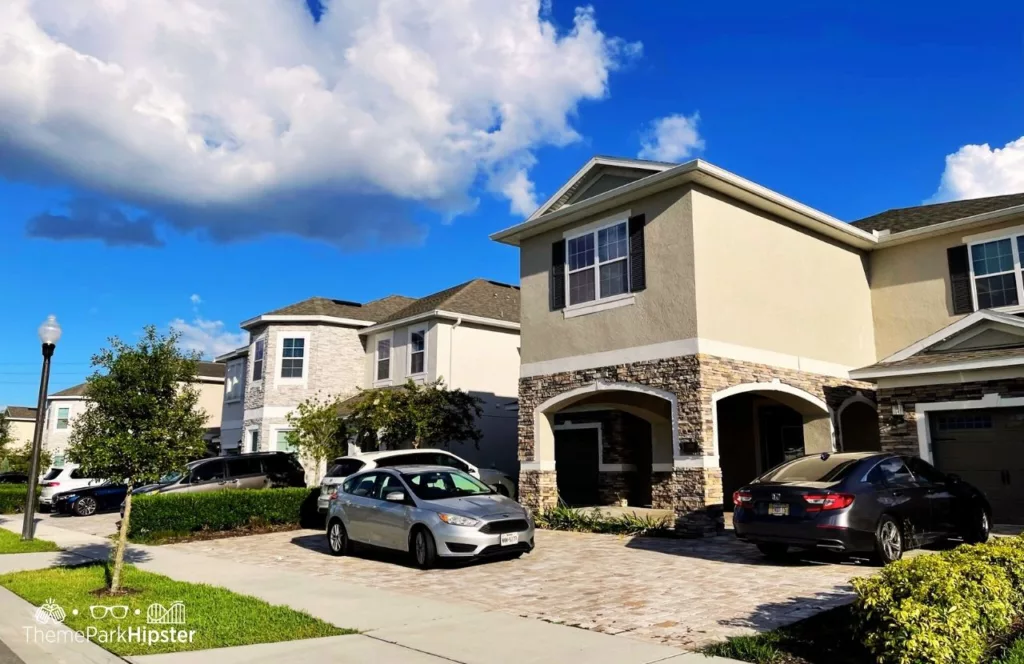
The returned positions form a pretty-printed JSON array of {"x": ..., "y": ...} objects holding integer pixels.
[
  {"x": 960, "y": 279},
  {"x": 558, "y": 275},
  {"x": 637, "y": 266}
]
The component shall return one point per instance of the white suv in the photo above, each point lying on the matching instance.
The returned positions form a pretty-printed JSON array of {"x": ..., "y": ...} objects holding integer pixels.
[
  {"x": 342, "y": 467},
  {"x": 58, "y": 480}
]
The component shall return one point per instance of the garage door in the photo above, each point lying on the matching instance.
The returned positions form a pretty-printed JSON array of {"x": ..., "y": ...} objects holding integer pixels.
[{"x": 985, "y": 448}]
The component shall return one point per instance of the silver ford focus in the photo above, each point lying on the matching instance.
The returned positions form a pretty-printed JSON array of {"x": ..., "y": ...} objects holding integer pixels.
[{"x": 428, "y": 511}]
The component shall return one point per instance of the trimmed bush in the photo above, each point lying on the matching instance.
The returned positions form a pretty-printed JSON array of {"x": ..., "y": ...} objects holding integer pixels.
[
  {"x": 184, "y": 513},
  {"x": 946, "y": 608},
  {"x": 12, "y": 498},
  {"x": 578, "y": 520}
]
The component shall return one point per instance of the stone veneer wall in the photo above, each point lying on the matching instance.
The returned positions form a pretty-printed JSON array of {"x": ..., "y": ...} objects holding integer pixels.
[
  {"x": 694, "y": 493},
  {"x": 901, "y": 437}
]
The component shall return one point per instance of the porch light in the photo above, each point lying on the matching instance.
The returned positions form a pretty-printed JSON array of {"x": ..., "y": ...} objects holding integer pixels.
[{"x": 897, "y": 409}]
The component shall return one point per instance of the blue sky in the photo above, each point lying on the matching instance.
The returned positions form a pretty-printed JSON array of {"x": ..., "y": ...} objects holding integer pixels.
[{"x": 851, "y": 111}]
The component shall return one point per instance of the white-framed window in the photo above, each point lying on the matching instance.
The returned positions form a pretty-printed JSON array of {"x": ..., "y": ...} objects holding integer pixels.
[
  {"x": 58, "y": 461},
  {"x": 233, "y": 380},
  {"x": 417, "y": 350},
  {"x": 996, "y": 279},
  {"x": 62, "y": 418},
  {"x": 597, "y": 263},
  {"x": 293, "y": 357},
  {"x": 254, "y": 440},
  {"x": 382, "y": 366},
  {"x": 259, "y": 352},
  {"x": 283, "y": 441}
]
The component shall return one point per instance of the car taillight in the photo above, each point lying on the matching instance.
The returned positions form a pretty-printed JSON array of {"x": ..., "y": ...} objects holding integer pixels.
[
  {"x": 822, "y": 502},
  {"x": 333, "y": 494},
  {"x": 742, "y": 498},
  {"x": 51, "y": 483}
]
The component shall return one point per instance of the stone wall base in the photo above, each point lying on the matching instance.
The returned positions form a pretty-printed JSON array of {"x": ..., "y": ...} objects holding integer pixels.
[
  {"x": 615, "y": 487},
  {"x": 538, "y": 490}
]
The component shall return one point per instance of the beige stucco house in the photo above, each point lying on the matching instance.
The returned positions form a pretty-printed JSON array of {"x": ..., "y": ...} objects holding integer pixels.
[
  {"x": 21, "y": 422},
  {"x": 684, "y": 329},
  {"x": 467, "y": 335}
]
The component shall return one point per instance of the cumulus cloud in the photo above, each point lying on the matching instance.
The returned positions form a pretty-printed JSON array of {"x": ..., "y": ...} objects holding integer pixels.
[
  {"x": 975, "y": 171},
  {"x": 207, "y": 336},
  {"x": 86, "y": 219},
  {"x": 671, "y": 138},
  {"x": 237, "y": 119},
  {"x": 195, "y": 299}
]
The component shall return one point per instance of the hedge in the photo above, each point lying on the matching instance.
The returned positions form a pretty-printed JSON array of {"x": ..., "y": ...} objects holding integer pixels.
[
  {"x": 184, "y": 513},
  {"x": 12, "y": 498},
  {"x": 946, "y": 608}
]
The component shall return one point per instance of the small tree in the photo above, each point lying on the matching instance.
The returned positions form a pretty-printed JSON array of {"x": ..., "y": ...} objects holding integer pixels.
[
  {"x": 5, "y": 435},
  {"x": 17, "y": 459},
  {"x": 142, "y": 422},
  {"x": 417, "y": 415},
  {"x": 319, "y": 432}
]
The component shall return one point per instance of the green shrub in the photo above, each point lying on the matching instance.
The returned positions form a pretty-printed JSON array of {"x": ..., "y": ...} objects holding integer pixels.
[
  {"x": 1014, "y": 654},
  {"x": 946, "y": 608},
  {"x": 12, "y": 498},
  {"x": 184, "y": 513},
  {"x": 577, "y": 520}
]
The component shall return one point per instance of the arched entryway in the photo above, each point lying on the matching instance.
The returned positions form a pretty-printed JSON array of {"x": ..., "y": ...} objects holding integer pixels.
[
  {"x": 858, "y": 425},
  {"x": 759, "y": 425},
  {"x": 607, "y": 443}
]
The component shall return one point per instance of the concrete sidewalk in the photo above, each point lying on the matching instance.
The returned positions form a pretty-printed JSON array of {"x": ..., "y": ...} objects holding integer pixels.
[{"x": 395, "y": 627}]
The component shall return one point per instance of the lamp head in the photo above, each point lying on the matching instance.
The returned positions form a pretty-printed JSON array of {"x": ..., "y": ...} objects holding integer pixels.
[{"x": 49, "y": 331}]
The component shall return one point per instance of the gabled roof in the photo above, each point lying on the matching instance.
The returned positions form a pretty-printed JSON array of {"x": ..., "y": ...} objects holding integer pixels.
[
  {"x": 20, "y": 413},
  {"x": 479, "y": 297},
  {"x": 323, "y": 306},
  {"x": 211, "y": 370},
  {"x": 73, "y": 391},
  {"x": 921, "y": 216},
  {"x": 592, "y": 170}
]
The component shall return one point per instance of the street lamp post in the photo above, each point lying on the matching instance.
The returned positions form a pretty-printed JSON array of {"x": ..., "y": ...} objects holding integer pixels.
[{"x": 49, "y": 335}]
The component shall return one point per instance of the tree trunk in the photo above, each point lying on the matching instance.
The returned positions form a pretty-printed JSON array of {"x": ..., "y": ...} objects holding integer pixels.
[{"x": 122, "y": 543}]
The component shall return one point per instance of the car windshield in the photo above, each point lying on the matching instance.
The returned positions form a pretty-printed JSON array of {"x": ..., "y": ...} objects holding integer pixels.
[
  {"x": 52, "y": 475},
  {"x": 441, "y": 484},
  {"x": 169, "y": 478},
  {"x": 823, "y": 468}
]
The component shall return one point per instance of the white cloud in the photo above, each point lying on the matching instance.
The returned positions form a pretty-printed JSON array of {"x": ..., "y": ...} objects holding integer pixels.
[
  {"x": 195, "y": 299},
  {"x": 671, "y": 138},
  {"x": 207, "y": 336},
  {"x": 241, "y": 118},
  {"x": 975, "y": 171}
]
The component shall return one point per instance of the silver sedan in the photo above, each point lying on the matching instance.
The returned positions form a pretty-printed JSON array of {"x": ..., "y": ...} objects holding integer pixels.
[{"x": 429, "y": 511}]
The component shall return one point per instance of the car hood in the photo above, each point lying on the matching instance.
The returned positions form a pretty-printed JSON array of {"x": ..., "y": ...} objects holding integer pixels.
[
  {"x": 479, "y": 506},
  {"x": 147, "y": 488}
]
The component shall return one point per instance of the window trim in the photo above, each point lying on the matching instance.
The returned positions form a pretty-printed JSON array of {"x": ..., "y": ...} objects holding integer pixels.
[
  {"x": 57, "y": 418},
  {"x": 247, "y": 448},
  {"x": 594, "y": 229},
  {"x": 228, "y": 398},
  {"x": 261, "y": 360},
  {"x": 390, "y": 337},
  {"x": 409, "y": 351},
  {"x": 277, "y": 433},
  {"x": 306, "y": 353},
  {"x": 1012, "y": 234}
]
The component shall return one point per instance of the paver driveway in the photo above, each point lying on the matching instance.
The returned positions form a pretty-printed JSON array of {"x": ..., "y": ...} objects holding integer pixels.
[{"x": 685, "y": 593}]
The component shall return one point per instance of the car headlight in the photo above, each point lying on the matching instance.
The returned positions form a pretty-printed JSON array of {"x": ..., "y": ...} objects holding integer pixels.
[
  {"x": 456, "y": 520},
  {"x": 71, "y": 496}
]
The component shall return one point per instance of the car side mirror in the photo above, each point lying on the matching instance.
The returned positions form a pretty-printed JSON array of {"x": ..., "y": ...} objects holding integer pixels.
[{"x": 395, "y": 497}]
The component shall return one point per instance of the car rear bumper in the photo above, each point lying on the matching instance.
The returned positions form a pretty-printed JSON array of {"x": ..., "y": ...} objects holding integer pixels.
[
  {"x": 462, "y": 542},
  {"x": 827, "y": 534}
]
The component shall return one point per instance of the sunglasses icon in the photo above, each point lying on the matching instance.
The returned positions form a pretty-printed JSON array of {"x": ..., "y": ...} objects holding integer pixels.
[{"x": 100, "y": 612}]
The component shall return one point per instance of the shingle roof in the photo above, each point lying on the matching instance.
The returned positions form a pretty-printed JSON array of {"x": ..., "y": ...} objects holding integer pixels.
[
  {"x": 323, "y": 306},
  {"x": 211, "y": 370},
  {"x": 909, "y": 218},
  {"x": 73, "y": 391},
  {"x": 479, "y": 297},
  {"x": 21, "y": 412},
  {"x": 932, "y": 359}
]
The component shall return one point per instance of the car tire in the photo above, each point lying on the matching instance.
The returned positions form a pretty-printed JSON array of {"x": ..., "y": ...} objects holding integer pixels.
[
  {"x": 773, "y": 551},
  {"x": 423, "y": 549},
  {"x": 979, "y": 528},
  {"x": 889, "y": 540},
  {"x": 85, "y": 506},
  {"x": 337, "y": 538}
]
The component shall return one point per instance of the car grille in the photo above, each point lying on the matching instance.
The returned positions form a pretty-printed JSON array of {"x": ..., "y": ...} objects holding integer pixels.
[
  {"x": 509, "y": 526},
  {"x": 497, "y": 549},
  {"x": 456, "y": 547}
]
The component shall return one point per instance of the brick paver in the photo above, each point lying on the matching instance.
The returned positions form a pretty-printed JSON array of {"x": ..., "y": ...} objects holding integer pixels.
[{"x": 685, "y": 593}]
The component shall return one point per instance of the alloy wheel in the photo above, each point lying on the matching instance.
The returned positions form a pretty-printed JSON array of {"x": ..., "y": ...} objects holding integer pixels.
[
  {"x": 891, "y": 541},
  {"x": 984, "y": 525},
  {"x": 336, "y": 537},
  {"x": 421, "y": 548},
  {"x": 87, "y": 507}
]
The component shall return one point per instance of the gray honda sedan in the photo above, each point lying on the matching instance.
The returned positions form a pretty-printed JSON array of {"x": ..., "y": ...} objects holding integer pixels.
[{"x": 429, "y": 511}]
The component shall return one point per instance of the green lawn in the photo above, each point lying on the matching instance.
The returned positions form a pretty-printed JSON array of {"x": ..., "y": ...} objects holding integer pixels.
[
  {"x": 11, "y": 543},
  {"x": 215, "y": 617}
]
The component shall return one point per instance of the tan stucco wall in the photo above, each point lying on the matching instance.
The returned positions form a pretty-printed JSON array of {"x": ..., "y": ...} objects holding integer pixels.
[
  {"x": 22, "y": 432},
  {"x": 665, "y": 311},
  {"x": 910, "y": 288},
  {"x": 400, "y": 355},
  {"x": 766, "y": 284},
  {"x": 211, "y": 400}
]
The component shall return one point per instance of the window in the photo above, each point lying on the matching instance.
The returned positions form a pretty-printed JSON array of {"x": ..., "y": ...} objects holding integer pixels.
[
  {"x": 55, "y": 471},
  {"x": 208, "y": 472},
  {"x": 450, "y": 461},
  {"x": 362, "y": 485},
  {"x": 822, "y": 468},
  {"x": 344, "y": 468},
  {"x": 242, "y": 466},
  {"x": 955, "y": 422},
  {"x": 924, "y": 471},
  {"x": 62, "y": 418},
  {"x": 441, "y": 484},
  {"x": 390, "y": 484},
  {"x": 233, "y": 381},
  {"x": 895, "y": 472},
  {"x": 996, "y": 266},
  {"x": 254, "y": 441},
  {"x": 417, "y": 351},
  {"x": 284, "y": 441},
  {"x": 77, "y": 474},
  {"x": 384, "y": 358},
  {"x": 293, "y": 354},
  {"x": 598, "y": 264},
  {"x": 257, "y": 359}
]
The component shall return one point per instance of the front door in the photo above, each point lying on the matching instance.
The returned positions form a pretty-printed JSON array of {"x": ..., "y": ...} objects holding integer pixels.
[
  {"x": 781, "y": 432},
  {"x": 577, "y": 465}
]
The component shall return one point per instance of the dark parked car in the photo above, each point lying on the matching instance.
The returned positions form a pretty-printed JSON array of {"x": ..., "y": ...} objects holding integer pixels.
[
  {"x": 90, "y": 500},
  {"x": 13, "y": 478},
  {"x": 858, "y": 503}
]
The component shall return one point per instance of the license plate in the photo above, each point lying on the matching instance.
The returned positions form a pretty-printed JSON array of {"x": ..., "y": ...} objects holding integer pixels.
[
  {"x": 778, "y": 509},
  {"x": 509, "y": 539}
]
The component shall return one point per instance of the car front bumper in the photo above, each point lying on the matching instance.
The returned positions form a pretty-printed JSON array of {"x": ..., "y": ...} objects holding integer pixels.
[{"x": 463, "y": 542}]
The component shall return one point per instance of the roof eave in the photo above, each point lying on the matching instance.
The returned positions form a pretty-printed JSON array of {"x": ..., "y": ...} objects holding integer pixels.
[
  {"x": 873, "y": 373},
  {"x": 232, "y": 355},
  {"x": 441, "y": 313},
  {"x": 304, "y": 318}
]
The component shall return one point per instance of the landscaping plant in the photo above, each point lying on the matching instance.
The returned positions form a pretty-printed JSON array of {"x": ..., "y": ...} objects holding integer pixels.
[
  {"x": 593, "y": 521},
  {"x": 318, "y": 431},
  {"x": 143, "y": 420},
  {"x": 12, "y": 498}
]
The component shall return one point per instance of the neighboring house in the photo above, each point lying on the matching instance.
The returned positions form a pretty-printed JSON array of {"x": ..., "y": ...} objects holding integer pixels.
[
  {"x": 468, "y": 335},
  {"x": 63, "y": 407},
  {"x": 684, "y": 329},
  {"x": 22, "y": 424}
]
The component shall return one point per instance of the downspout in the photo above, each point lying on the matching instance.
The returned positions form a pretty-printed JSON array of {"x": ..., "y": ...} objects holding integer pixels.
[{"x": 451, "y": 337}]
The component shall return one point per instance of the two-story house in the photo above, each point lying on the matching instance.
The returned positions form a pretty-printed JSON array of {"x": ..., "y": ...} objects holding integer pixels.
[
  {"x": 467, "y": 335},
  {"x": 21, "y": 423},
  {"x": 684, "y": 329},
  {"x": 64, "y": 406}
]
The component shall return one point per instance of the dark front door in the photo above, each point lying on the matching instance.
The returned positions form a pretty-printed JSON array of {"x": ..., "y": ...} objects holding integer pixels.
[
  {"x": 782, "y": 435},
  {"x": 576, "y": 466}
]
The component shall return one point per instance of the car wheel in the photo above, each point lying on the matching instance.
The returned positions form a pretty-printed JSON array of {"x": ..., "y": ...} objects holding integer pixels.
[
  {"x": 977, "y": 531},
  {"x": 85, "y": 506},
  {"x": 888, "y": 540},
  {"x": 773, "y": 551},
  {"x": 424, "y": 551},
  {"x": 337, "y": 538}
]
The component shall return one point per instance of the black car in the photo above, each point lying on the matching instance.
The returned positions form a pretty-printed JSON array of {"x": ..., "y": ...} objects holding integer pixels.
[
  {"x": 858, "y": 503},
  {"x": 13, "y": 478},
  {"x": 90, "y": 500}
]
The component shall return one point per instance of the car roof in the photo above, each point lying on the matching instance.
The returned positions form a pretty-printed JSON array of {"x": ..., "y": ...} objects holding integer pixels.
[{"x": 373, "y": 456}]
